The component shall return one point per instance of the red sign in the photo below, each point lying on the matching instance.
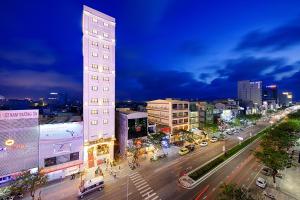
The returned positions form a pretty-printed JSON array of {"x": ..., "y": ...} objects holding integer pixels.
[{"x": 166, "y": 130}]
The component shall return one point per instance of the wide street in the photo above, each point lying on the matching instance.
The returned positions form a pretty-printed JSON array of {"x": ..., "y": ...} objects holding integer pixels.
[{"x": 159, "y": 180}]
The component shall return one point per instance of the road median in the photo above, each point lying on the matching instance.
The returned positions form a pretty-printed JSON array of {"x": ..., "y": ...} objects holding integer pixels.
[{"x": 195, "y": 177}]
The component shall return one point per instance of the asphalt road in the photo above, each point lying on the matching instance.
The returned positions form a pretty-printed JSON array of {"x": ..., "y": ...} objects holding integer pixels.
[{"x": 159, "y": 180}]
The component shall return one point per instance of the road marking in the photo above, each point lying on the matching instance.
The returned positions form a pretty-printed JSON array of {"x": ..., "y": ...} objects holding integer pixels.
[
  {"x": 141, "y": 181},
  {"x": 254, "y": 178},
  {"x": 150, "y": 195},
  {"x": 147, "y": 193},
  {"x": 156, "y": 197},
  {"x": 134, "y": 175},
  {"x": 136, "y": 179},
  {"x": 142, "y": 187},
  {"x": 143, "y": 191},
  {"x": 139, "y": 186}
]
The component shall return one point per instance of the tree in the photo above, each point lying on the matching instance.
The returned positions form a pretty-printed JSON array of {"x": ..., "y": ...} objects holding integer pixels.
[
  {"x": 233, "y": 192},
  {"x": 274, "y": 159},
  {"x": 156, "y": 139},
  {"x": 187, "y": 135},
  {"x": 28, "y": 181}
]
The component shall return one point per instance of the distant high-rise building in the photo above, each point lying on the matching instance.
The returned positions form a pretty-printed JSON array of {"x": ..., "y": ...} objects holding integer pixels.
[
  {"x": 285, "y": 99},
  {"x": 270, "y": 93},
  {"x": 98, "y": 88},
  {"x": 250, "y": 92}
]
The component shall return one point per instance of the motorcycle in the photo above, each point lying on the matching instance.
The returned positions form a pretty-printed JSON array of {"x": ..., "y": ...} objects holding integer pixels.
[{"x": 269, "y": 195}]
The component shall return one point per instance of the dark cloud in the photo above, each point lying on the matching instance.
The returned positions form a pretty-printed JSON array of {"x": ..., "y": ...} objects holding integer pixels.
[{"x": 279, "y": 38}]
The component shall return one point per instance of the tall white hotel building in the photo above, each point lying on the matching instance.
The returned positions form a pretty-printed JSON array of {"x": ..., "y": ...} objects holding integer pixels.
[{"x": 98, "y": 88}]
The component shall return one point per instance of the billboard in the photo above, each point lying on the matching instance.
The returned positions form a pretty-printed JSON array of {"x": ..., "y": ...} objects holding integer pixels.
[
  {"x": 60, "y": 143},
  {"x": 137, "y": 128},
  {"x": 19, "y": 140}
]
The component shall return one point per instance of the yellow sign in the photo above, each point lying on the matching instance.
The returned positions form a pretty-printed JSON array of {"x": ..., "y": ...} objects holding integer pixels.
[{"x": 9, "y": 142}]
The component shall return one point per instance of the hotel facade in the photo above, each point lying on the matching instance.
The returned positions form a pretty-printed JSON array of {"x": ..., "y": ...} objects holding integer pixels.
[{"x": 98, "y": 88}]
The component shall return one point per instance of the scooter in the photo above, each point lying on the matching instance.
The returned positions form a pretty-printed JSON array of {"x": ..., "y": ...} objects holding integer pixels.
[{"x": 269, "y": 195}]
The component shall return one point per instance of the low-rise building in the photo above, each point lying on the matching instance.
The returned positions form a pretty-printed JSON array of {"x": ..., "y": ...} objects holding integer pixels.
[
  {"x": 169, "y": 112},
  {"x": 61, "y": 149},
  {"x": 19, "y": 142},
  {"x": 130, "y": 125}
]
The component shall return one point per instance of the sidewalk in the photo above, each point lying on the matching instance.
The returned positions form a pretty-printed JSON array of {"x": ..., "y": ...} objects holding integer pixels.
[{"x": 289, "y": 186}]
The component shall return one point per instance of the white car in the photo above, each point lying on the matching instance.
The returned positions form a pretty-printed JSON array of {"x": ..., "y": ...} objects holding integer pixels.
[
  {"x": 260, "y": 182},
  {"x": 214, "y": 139},
  {"x": 203, "y": 144}
]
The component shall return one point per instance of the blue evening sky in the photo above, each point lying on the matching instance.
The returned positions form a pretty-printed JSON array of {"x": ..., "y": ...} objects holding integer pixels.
[{"x": 165, "y": 48}]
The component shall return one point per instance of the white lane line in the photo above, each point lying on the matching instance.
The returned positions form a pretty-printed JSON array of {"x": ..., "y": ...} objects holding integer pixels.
[
  {"x": 138, "y": 175},
  {"x": 254, "y": 178},
  {"x": 137, "y": 183},
  {"x": 143, "y": 191},
  {"x": 137, "y": 179},
  {"x": 143, "y": 188},
  {"x": 150, "y": 195},
  {"x": 156, "y": 197},
  {"x": 135, "y": 175},
  {"x": 145, "y": 183}
]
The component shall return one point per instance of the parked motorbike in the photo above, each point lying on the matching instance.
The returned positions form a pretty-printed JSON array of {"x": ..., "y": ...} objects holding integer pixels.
[{"x": 269, "y": 195}]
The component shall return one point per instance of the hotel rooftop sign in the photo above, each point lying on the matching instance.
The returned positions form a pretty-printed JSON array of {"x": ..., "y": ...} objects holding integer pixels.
[{"x": 18, "y": 114}]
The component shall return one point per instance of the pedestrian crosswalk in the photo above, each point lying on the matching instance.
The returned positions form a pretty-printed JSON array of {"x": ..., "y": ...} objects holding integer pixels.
[{"x": 143, "y": 187}]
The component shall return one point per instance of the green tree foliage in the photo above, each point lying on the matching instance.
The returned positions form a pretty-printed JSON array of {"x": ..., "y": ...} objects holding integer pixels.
[
  {"x": 29, "y": 182},
  {"x": 211, "y": 128},
  {"x": 233, "y": 192},
  {"x": 156, "y": 139},
  {"x": 276, "y": 144}
]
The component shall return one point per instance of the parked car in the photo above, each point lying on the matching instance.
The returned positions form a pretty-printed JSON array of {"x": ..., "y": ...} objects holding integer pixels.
[
  {"x": 183, "y": 151},
  {"x": 190, "y": 147},
  {"x": 203, "y": 144},
  {"x": 266, "y": 171},
  {"x": 260, "y": 182},
  {"x": 214, "y": 139}
]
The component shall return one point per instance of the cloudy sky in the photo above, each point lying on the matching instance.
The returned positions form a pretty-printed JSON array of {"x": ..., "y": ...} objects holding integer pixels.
[{"x": 165, "y": 48}]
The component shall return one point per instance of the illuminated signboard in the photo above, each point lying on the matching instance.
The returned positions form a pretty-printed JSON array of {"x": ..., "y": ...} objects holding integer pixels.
[{"x": 19, "y": 139}]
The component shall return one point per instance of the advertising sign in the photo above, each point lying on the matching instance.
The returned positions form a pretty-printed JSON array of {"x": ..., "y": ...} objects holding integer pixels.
[
  {"x": 137, "y": 128},
  {"x": 19, "y": 139}
]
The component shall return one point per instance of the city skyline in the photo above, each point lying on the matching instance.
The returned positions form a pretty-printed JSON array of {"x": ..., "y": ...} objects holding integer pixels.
[{"x": 203, "y": 57}]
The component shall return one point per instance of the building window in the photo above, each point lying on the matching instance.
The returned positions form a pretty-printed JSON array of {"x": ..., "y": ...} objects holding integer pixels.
[
  {"x": 105, "y": 78},
  {"x": 95, "y": 31},
  {"x": 186, "y": 120},
  {"x": 105, "y": 46},
  {"x": 94, "y": 88},
  {"x": 102, "y": 149},
  {"x": 106, "y": 101},
  {"x": 105, "y": 24},
  {"x": 74, "y": 156},
  {"x": 174, "y": 106},
  {"x": 95, "y": 20},
  {"x": 94, "y": 54},
  {"x": 105, "y": 121},
  {"x": 94, "y": 100},
  {"x": 94, "y": 112},
  {"x": 94, "y": 122},
  {"x": 174, "y": 121},
  {"x": 105, "y": 68},
  {"x": 94, "y": 43},
  {"x": 94, "y": 66},
  {"x": 94, "y": 77},
  {"x": 50, "y": 161},
  {"x": 105, "y": 56},
  {"x": 105, "y": 89},
  {"x": 105, "y": 111},
  {"x": 186, "y": 106},
  {"x": 105, "y": 35}
]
